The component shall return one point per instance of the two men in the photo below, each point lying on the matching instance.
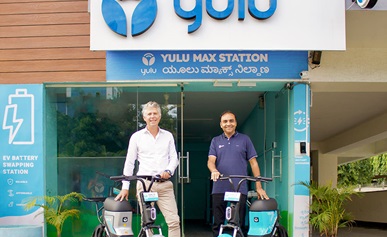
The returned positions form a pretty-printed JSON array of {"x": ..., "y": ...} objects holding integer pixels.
[{"x": 155, "y": 150}]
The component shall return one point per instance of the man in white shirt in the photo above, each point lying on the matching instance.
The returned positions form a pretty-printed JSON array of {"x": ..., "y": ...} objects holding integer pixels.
[{"x": 155, "y": 150}]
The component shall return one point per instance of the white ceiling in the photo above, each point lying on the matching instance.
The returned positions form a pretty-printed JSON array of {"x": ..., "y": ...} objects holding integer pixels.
[
  {"x": 343, "y": 110},
  {"x": 333, "y": 112}
]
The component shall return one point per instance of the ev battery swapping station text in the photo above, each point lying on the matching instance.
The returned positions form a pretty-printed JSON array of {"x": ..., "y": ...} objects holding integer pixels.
[{"x": 21, "y": 142}]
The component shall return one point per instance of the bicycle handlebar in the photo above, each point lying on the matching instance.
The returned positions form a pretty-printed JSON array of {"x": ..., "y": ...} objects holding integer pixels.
[
  {"x": 243, "y": 178},
  {"x": 141, "y": 178},
  {"x": 137, "y": 177}
]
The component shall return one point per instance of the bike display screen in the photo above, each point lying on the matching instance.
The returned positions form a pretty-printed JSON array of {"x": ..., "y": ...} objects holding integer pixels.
[
  {"x": 150, "y": 196},
  {"x": 232, "y": 196}
]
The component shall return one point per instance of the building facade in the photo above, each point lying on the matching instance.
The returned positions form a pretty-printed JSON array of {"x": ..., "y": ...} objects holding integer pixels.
[{"x": 86, "y": 78}]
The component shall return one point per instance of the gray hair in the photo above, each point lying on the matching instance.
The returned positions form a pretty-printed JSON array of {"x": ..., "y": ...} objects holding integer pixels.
[{"x": 151, "y": 104}]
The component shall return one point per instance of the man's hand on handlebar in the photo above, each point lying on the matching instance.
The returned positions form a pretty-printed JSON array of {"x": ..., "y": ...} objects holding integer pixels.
[
  {"x": 165, "y": 175},
  {"x": 261, "y": 194},
  {"x": 215, "y": 175},
  {"x": 124, "y": 194}
]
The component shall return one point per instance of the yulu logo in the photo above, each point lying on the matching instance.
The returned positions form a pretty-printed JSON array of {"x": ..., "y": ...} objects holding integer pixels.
[
  {"x": 143, "y": 16},
  {"x": 145, "y": 13}
]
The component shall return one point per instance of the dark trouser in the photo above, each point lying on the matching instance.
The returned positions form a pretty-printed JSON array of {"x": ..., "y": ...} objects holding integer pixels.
[{"x": 218, "y": 211}]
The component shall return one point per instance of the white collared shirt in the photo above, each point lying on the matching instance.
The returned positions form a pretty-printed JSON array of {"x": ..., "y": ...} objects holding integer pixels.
[{"x": 154, "y": 154}]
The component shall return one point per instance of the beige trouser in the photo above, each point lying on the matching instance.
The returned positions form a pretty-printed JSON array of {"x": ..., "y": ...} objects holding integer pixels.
[{"x": 166, "y": 204}]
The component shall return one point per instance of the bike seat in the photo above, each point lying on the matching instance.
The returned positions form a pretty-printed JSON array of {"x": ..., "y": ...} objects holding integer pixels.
[
  {"x": 116, "y": 206},
  {"x": 264, "y": 205}
]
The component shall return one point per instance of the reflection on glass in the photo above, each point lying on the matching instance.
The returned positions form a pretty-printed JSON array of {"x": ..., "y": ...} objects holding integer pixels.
[{"x": 93, "y": 128}]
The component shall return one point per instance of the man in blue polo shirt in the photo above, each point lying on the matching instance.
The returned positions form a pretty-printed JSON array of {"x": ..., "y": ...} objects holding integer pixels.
[{"x": 229, "y": 154}]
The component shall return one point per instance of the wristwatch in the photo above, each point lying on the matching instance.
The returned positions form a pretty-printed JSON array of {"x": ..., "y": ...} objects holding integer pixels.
[{"x": 169, "y": 172}]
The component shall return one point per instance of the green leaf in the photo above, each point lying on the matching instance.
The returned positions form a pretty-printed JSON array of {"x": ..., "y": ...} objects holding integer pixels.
[
  {"x": 327, "y": 207},
  {"x": 54, "y": 209}
]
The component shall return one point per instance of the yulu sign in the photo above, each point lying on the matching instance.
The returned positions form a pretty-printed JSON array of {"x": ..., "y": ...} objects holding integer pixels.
[
  {"x": 217, "y": 25},
  {"x": 144, "y": 15}
]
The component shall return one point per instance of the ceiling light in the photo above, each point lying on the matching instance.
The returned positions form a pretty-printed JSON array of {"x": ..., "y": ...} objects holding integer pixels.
[
  {"x": 247, "y": 83},
  {"x": 223, "y": 83}
]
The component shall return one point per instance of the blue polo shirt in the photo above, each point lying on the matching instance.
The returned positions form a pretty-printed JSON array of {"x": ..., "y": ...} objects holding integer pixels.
[{"x": 232, "y": 156}]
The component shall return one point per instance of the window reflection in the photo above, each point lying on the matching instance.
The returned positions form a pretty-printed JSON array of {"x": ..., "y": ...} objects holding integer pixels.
[{"x": 93, "y": 127}]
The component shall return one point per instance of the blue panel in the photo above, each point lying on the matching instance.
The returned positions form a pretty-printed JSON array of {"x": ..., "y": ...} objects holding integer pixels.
[
  {"x": 21, "y": 142},
  {"x": 301, "y": 114},
  {"x": 114, "y": 16},
  {"x": 301, "y": 134},
  {"x": 143, "y": 65},
  {"x": 262, "y": 223}
]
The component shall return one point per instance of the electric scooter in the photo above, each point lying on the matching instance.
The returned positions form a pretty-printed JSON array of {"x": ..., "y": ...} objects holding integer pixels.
[
  {"x": 115, "y": 217},
  {"x": 147, "y": 199},
  {"x": 263, "y": 214}
]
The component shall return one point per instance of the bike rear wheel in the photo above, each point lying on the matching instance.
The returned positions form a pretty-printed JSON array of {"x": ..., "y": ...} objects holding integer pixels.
[{"x": 99, "y": 231}]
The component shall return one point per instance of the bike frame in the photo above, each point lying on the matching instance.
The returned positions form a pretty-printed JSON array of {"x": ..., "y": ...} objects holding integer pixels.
[{"x": 147, "y": 199}]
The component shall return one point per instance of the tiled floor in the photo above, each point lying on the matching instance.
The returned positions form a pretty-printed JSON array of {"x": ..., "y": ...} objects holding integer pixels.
[{"x": 199, "y": 229}]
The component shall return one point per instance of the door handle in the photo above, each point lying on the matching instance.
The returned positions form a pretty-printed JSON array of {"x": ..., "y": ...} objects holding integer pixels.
[
  {"x": 184, "y": 176},
  {"x": 273, "y": 159}
]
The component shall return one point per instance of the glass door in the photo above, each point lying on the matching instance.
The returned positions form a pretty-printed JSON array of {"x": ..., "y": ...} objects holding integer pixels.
[
  {"x": 171, "y": 100},
  {"x": 183, "y": 170},
  {"x": 92, "y": 126}
]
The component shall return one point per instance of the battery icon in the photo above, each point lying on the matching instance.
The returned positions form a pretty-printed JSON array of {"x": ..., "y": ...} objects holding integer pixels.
[{"x": 19, "y": 118}]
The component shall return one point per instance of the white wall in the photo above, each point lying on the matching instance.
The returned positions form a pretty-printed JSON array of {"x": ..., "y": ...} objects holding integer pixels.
[{"x": 372, "y": 207}]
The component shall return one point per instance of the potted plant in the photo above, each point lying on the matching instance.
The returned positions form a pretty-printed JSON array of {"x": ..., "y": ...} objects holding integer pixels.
[
  {"x": 327, "y": 212},
  {"x": 56, "y": 209}
]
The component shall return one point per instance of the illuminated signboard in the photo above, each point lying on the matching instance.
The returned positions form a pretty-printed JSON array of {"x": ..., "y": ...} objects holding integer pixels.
[
  {"x": 172, "y": 65},
  {"x": 217, "y": 25}
]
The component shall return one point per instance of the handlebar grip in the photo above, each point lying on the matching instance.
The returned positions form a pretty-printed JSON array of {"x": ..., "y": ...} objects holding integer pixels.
[
  {"x": 266, "y": 179},
  {"x": 117, "y": 178}
]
